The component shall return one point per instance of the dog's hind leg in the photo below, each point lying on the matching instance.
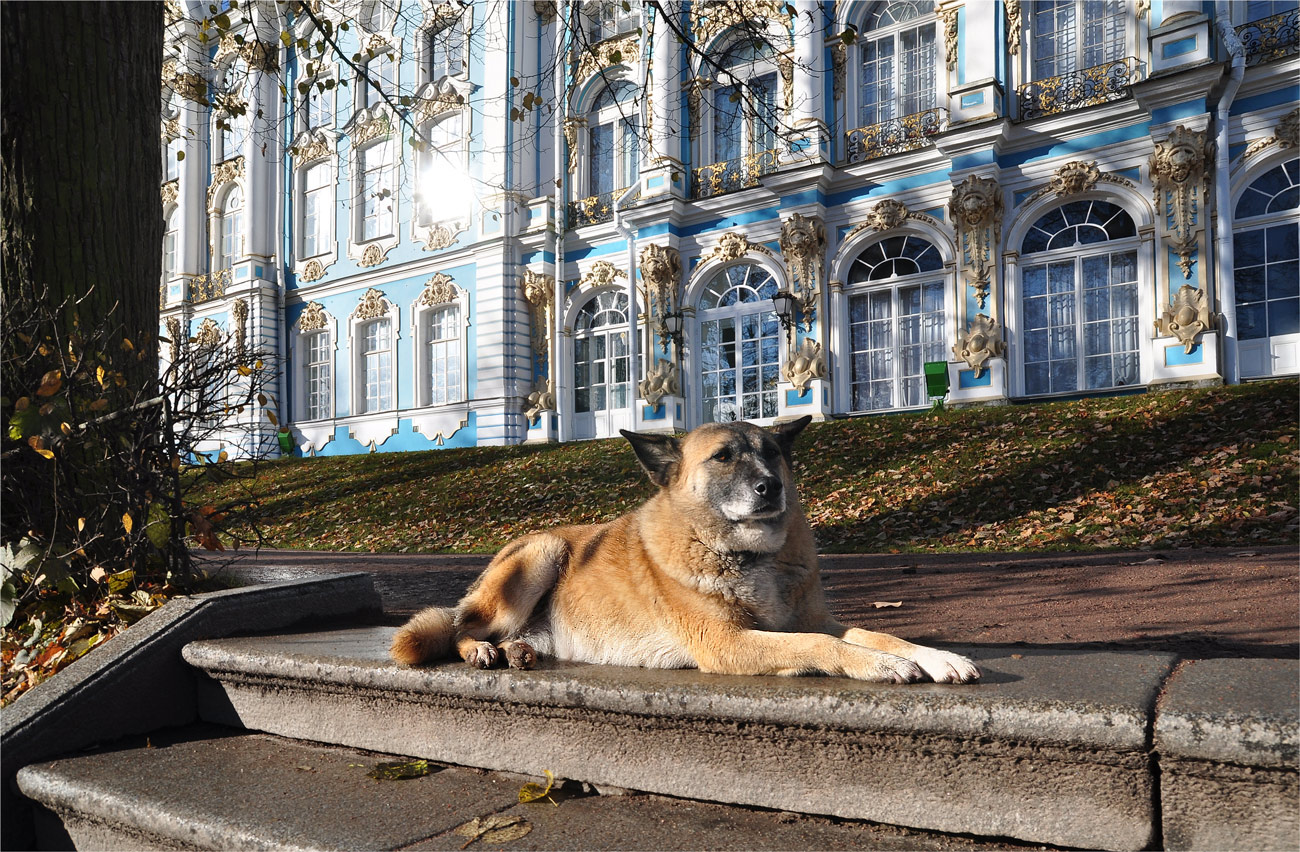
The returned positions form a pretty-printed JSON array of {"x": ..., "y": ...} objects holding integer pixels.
[{"x": 501, "y": 603}]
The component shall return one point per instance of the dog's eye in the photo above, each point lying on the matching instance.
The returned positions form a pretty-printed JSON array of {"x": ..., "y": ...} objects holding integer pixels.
[{"x": 722, "y": 455}]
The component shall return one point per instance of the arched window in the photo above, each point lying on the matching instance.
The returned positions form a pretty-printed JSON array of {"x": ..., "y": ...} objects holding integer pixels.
[
  {"x": 441, "y": 335},
  {"x": 1079, "y": 300},
  {"x": 745, "y": 113},
  {"x": 1266, "y": 271},
  {"x": 600, "y": 354},
  {"x": 230, "y": 245},
  {"x": 443, "y": 189},
  {"x": 317, "y": 207},
  {"x": 317, "y": 375},
  {"x": 377, "y": 365},
  {"x": 898, "y": 57},
  {"x": 444, "y": 48},
  {"x": 896, "y": 322},
  {"x": 613, "y": 155},
  {"x": 1070, "y": 35},
  {"x": 169, "y": 246},
  {"x": 740, "y": 345}
]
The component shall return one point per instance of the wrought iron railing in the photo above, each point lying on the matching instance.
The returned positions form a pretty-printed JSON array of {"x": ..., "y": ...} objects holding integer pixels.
[
  {"x": 895, "y": 135},
  {"x": 593, "y": 209},
  {"x": 1271, "y": 38},
  {"x": 205, "y": 288},
  {"x": 1111, "y": 81},
  {"x": 733, "y": 175}
]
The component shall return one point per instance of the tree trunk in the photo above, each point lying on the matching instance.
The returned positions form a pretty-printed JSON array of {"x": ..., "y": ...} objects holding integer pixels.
[{"x": 80, "y": 164}]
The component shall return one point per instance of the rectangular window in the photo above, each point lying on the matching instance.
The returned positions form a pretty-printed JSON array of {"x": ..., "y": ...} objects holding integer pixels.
[
  {"x": 169, "y": 254},
  {"x": 376, "y": 188},
  {"x": 316, "y": 208},
  {"x": 317, "y": 379},
  {"x": 320, "y": 111},
  {"x": 893, "y": 333},
  {"x": 443, "y": 335},
  {"x": 377, "y": 363},
  {"x": 447, "y": 50},
  {"x": 380, "y": 72}
]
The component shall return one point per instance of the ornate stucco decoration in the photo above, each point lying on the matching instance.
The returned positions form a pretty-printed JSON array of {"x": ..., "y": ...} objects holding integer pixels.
[
  {"x": 839, "y": 64},
  {"x": 1178, "y": 171},
  {"x": 174, "y": 337},
  {"x": 695, "y": 92},
  {"x": 172, "y": 12},
  {"x": 1186, "y": 316},
  {"x": 625, "y": 50},
  {"x": 1285, "y": 135},
  {"x": 372, "y": 256},
  {"x": 169, "y": 192},
  {"x": 439, "y": 290},
  {"x": 441, "y": 235},
  {"x": 601, "y": 274},
  {"x": 949, "y": 17},
  {"x": 426, "y": 108},
  {"x": 886, "y": 215},
  {"x": 545, "y": 11},
  {"x": 312, "y": 146},
  {"x": 370, "y": 125},
  {"x": 209, "y": 333},
  {"x": 225, "y": 173},
  {"x": 190, "y": 86},
  {"x": 571, "y": 127},
  {"x": 710, "y": 19},
  {"x": 260, "y": 55},
  {"x": 803, "y": 243},
  {"x": 805, "y": 364},
  {"x": 660, "y": 381},
  {"x": 312, "y": 317},
  {"x": 976, "y": 209},
  {"x": 1074, "y": 177},
  {"x": 539, "y": 293},
  {"x": 313, "y": 271},
  {"x": 734, "y": 245},
  {"x": 1014, "y": 23},
  {"x": 978, "y": 343},
  {"x": 239, "y": 313},
  {"x": 371, "y": 306},
  {"x": 661, "y": 271}
]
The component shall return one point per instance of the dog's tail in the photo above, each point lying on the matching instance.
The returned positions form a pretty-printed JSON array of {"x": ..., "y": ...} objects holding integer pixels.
[{"x": 427, "y": 636}]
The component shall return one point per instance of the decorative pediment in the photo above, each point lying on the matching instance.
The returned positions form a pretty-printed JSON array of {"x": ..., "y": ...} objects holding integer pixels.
[
  {"x": 439, "y": 290},
  {"x": 226, "y": 172},
  {"x": 734, "y": 245},
  {"x": 369, "y": 125},
  {"x": 1074, "y": 177},
  {"x": 313, "y": 270},
  {"x": 886, "y": 215},
  {"x": 312, "y": 145},
  {"x": 440, "y": 235},
  {"x": 601, "y": 274},
  {"x": 625, "y": 50},
  {"x": 209, "y": 333},
  {"x": 372, "y": 255},
  {"x": 711, "y": 19},
  {"x": 372, "y": 306},
  {"x": 312, "y": 318}
]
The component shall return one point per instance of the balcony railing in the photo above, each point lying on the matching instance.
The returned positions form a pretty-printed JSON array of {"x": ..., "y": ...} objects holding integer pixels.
[
  {"x": 1073, "y": 90},
  {"x": 1271, "y": 38},
  {"x": 593, "y": 210},
  {"x": 205, "y": 288},
  {"x": 732, "y": 175},
  {"x": 895, "y": 135}
]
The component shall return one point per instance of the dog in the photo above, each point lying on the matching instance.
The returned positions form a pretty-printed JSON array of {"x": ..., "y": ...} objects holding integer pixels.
[{"x": 717, "y": 571}]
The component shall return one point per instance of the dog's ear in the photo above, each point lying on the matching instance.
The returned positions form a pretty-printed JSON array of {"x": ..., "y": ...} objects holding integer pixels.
[
  {"x": 785, "y": 433},
  {"x": 660, "y": 455}
]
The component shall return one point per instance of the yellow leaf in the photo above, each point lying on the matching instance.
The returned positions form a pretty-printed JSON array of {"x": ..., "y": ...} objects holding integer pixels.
[
  {"x": 223, "y": 456},
  {"x": 127, "y": 523},
  {"x": 258, "y": 364},
  {"x": 81, "y": 524},
  {"x": 101, "y": 376},
  {"x": 244, "y": 371},
  {"x": 531, "y": 792},
  {"x": 45, "y": 454},
  {"x": 65, "y": 428},
  {"x": 127, "y": 344},
  {"x": 275, "y": 421}
]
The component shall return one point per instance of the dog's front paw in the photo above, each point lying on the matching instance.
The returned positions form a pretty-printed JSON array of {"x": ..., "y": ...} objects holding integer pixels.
[
  {"x": 946, "y": 667},
  {"x": 879, "y": 667},
  {"x": 482, "y": 656}
]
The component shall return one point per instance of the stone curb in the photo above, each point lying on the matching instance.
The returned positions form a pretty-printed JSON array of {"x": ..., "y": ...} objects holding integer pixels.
[{"x": 139, "y": 683}]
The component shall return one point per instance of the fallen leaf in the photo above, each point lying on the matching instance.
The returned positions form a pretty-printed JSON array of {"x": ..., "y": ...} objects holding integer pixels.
[
  {"x": 531, "y": 792},
  {"x": 401, "y": 770},
  {"x": 883, "y": 604}
]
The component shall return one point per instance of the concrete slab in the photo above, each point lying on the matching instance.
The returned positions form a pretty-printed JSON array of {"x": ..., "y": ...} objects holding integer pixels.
[
  {"x": 100, "y": 697},
  {"x": 1052, "y": 746},
  {"x": 1228, "y": 735},
  {"x": 206, "y": 787}
]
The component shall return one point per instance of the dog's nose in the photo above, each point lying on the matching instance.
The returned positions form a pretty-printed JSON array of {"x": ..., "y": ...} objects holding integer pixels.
[{"x": 769, "y": 487}]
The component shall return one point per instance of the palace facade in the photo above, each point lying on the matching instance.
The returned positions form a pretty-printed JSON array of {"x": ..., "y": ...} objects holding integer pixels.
[{"x": 668, "y": 214}]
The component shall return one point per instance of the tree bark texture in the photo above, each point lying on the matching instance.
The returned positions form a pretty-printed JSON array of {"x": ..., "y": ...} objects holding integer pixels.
[{"x": 80, "y": 164}]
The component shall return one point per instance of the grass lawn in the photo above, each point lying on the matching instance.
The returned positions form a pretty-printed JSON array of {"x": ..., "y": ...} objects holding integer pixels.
[{"x": 1206, "y": 467}]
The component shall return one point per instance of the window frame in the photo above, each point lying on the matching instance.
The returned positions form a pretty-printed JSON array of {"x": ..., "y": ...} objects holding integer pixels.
[
  {"x": 1288, "y": 163},
  {"x": 761, "y": 306},
  {"x": 621, "y": 115},
  {"x": 387, "y": 177},
  {"x": 228, "y": 229},
  {"x": 893, "y": 32},
  {"x": 745, "y": 72},
  {"x": 306, "y": 340},
  {"x": 1078, "y": 49},
  {"x": 605, "y": 330},
  {"x": 421, "y": 316}
]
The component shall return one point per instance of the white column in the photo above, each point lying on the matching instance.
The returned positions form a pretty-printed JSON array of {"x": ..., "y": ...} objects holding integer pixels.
[
  {"x": 807, "y": 114},
  {"x": 192, "y": 195},
  {"x": 666, "y": 120}
]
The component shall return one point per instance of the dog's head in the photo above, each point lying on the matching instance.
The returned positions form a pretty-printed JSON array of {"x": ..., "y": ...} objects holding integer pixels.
[{"x": 733, "y": 478}]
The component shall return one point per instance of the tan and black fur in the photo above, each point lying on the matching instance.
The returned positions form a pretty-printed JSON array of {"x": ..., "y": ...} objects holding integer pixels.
[{"x": 717, "y": 571}]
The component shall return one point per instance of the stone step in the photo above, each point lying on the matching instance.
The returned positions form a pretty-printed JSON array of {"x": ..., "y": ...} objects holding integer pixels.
[
  {"x": 207, "y": 787},
  {"x": 1054, "y": 746}
]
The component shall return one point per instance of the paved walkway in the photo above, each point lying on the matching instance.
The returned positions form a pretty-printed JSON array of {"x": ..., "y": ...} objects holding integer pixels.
[{"x": 1227, "y": 602}]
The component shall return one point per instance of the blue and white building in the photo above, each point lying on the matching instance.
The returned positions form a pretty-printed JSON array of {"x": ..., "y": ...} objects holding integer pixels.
[{"x": 683, "y": 212}]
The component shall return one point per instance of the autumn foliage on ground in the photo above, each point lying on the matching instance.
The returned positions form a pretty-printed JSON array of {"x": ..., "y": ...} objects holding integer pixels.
[{"x": 1182, "y": 468}]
